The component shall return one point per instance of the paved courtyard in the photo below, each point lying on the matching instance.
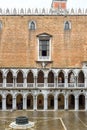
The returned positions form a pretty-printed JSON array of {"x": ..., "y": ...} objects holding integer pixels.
[{"x": 49, "y": 120}]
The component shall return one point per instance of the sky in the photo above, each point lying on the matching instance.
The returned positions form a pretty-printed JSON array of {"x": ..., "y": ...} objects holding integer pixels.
[{"x": 40, "y": 4}]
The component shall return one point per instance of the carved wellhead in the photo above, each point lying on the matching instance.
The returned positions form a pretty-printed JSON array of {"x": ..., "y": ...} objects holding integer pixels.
[{"x": 22, "y": 120}]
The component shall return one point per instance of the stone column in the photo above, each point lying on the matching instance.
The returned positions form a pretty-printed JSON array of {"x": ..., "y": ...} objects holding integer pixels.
[
  {"x": 4, "y": 81},
  {"x": 4, "y": 104},
  {"x": 75, "y": 81},
  {"x": 66, "y": 103},
  {"x": 85, "y": 82},
  {"x": 25, "y": 82},
  {"x": 66, "y": 81},
  {"x": 24, "y": 103},
  {"x": 86, "y": 103},
  {"x": 14, "y": 81},
  {"x": 55, "y": 103},
  {"x": 14, "y": 104},
  {"x": 45, "y": 103},
  {"x": 76, "y": 103},
  {"x": 45, "y": 82},
  {"x": 35, "y": 103},
  {"x": 35, "y": 81},
  {"x": 55, "y": 81}
]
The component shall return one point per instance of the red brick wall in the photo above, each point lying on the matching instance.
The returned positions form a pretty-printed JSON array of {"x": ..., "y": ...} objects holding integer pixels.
[{"x": 18, "y": 45}]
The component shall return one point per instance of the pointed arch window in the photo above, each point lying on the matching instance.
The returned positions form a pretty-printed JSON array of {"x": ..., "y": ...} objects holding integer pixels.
[
  {"x": 67, "y": 25},
  {"x": 32, "y": 25},
  {"x": 0, "y": 25}
]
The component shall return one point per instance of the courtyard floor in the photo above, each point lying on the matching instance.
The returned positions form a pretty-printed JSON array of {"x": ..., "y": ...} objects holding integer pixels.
[{"x": 47, "y": 120}]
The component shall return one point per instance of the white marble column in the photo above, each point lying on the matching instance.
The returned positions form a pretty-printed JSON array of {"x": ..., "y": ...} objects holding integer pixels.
[
  {"x": 45, "y": 103},
  {"x": 75, "y": 81},
  {"x": 4, "y": 81},
  {"x": 55, "y": 103},
  {"x": 35, "y": 81},
  {"x": 4, "y": 104},
  {"x": 45, "y": 82},
  {"x": 55, "y": 81},
  {"x": 35, "y": 103},
  {"x": 25, "y": 82},
  {"x": 66, "y": 103},
  {"x": 85, "y": 82},
  {"x": 86, "y": 103},
  {"x": 66, "y": 81},
  {"x": 14, "y": 81},
  {"x": 76, "y": 103},
  {"x": 24, "y": 103},
  {"x": 14, "y": 104}
]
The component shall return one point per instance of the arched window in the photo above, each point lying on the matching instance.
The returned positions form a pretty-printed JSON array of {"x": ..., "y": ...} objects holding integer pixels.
[
  {"x": 0, "y": 25},
  {"x": 81, "y": 79},
  {"x": 67, "y": 25},
  {"x": 32, "y": 25}
]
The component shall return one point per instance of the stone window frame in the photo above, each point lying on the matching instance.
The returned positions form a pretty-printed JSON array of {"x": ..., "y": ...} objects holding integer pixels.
[
  {"x": 67, "y": 25},
  {"x": 44, "y": 36},
  {"x": 0, "y": 25},
  {"x": 32, "y": 25}
]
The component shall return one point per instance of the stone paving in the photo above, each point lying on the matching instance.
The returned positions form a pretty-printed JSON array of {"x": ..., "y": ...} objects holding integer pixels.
[{"x": 47, "y": 120}]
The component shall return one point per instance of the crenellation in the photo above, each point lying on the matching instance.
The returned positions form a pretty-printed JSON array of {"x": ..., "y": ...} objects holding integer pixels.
[{"x": 43, "y": 11}]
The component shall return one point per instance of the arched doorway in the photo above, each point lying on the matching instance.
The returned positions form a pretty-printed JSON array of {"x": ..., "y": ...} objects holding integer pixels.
[
  {"x": 30, "y": 79},
  {"x": 81, "y": 101},
  {"x": 29, "y": 101},
  {"x": 50, "y": 102},
  {"x": 71, "y": 102},
  {"x": 19, "y": 102},
  {"x": 51, "y": 79},
  {"x": 0, "y": 102},
  {"x": 40, "y": 79},
  {"x": 61, "y": 79},
  {"x": 9, "y": 101},
  {"x": 40, "y": 102},
  {"x": 61, "y": 101},
  {"x": 20, "y": 79}
]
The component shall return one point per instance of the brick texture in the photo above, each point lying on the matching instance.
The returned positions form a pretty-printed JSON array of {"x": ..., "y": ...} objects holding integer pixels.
[{"x": 19, "y": 47}]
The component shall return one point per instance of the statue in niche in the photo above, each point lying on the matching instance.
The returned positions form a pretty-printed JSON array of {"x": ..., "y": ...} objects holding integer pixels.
[
  {"x": 72, "y": 79},
  {"x": 60, "y": 80}
]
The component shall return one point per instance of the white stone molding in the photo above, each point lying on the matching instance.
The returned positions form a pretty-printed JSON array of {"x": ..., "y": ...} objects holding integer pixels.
[{"x": 43, "y": 11}]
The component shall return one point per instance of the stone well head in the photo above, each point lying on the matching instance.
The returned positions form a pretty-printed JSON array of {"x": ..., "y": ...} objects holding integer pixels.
[{"x": 22, "y": 120}]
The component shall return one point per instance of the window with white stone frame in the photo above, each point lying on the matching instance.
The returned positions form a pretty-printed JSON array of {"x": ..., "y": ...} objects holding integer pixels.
[
  {"x": 0, "y": 25},
  {"x": 67, "y": 25},
  {"x": 44, "y": 47},
  {"x": 32, "y": 25}
]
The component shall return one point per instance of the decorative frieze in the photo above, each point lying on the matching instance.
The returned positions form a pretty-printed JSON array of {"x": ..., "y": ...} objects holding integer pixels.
[{"x": 29, "y": 11}]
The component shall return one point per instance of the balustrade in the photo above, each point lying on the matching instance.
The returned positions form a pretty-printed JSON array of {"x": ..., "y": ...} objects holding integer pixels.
[
  {"x": 43, "y": 85},
  {"x": 50, "y": 84},
  {"x": 61, "y": 84},
  {"x": 71, "y": 84},
  {"x": 81, "y": 85},
  {"x": 9, "y": 85},
  {"x": 40, "y": 84},
  {"x": 1, "y": 84},
  {"x": 30, "y": 84},
  {"x": 19, "y": 84}
]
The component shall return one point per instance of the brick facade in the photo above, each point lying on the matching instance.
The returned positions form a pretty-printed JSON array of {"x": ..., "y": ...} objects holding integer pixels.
[{"x": 18, "y": 44}]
